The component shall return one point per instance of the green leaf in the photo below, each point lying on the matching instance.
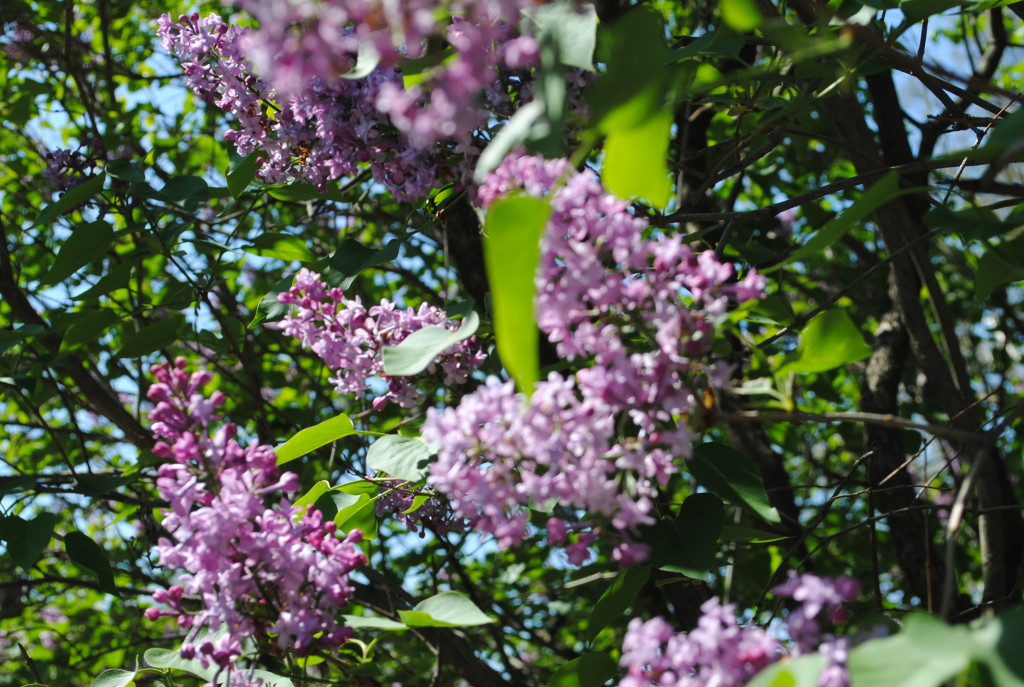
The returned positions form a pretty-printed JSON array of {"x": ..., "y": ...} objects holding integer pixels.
[
  {"x": 367, "y": 622},
  {"x": 97, "y": 485},
  {"x": 527, "y": 124},
  {"x": 884, "y": 190},
  {"x": 918, "y": 10},
  {"x": 21, "y": 333},
  {"x": 572, "y": 27},
  {"x": 802, "y": 672},
  {"x": 87, "y": 329},
  {"x": 733, "y": 476},
  {"x": 926, "y": 653},
  {"x": 998, "y": 642},
  {"x": 281, "y": 247},
  {"x": 406, "y": 458},
  {"x": 741, "y": 15},
  {"x": 270, "y": 309},
  {"x": 618, "y": 597},
  {"x": 315, "y": 492},
  {"x": 114, "y": 678},
  {"x": 72, "y": 199},
  {"x": 999, "y": 265},
  {"x": 126, "y": 170},
  {"x": 117, "y": 278},
  {"x": 88, "y": 554},
  {"x": 367, "y": 60},
  {"x": 447, "y": 609},
  {"x": 636, "y": 160},
  {"x": 88, "y": 242},
  {"x": 352, "y": 257},
  {"x": 242, "y": 175},
  {"x": 828, "y": 341},
  {"x": 166, "y": 658},
  {"x": 688, "y": 544},
  {"x": 750, "y": 535},
  {"x": 312, "y": 438},
  {"x": 512, "y": 235},
  {"x": 26, "y": 539},
  {"x": 417, "y": 351},
  {"x": 360, "y": 515},
  {"x": 592, "y": 669},
  {"x": 152, "y": 337},
  {"x": 636, "y": 64},
  {"x": 187, "y": 191}
]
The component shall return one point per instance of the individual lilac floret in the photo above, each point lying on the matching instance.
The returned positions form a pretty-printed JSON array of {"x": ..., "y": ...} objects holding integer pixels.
[
  {"x": 349, "y": 338},
  {"x": 249, "y": 571}
]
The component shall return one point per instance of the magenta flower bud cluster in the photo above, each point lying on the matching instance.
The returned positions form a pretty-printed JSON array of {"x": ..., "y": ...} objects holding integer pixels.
[
  {"x": 350, "y": 339},
  {"x": 641, "y": 310},
  {"x": 720, "y": 652},
  {"x": 275, "y": 573}
]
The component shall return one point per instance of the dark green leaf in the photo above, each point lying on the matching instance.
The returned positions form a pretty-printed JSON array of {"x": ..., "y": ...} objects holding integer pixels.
[
  {"x": 688, "y": 544},
  {"x": 72, "y": 199},
  {"x": 189, "y": 191},
  {"x": 999, "y": 265},
  {"x": 87, "y": 242},
  {"x": 352, "y": 257},
  {"x": 592, "y": 669},
  {"x": 87, "y": 329},
  {"x": 312, "y": 438},
  {"x": 26, "y": 539},
  {"x": 152, "y": 337},
  {"x": 733, "y": 476},
  {"x": 166, "y": 658},
  {"x": 21, "y": 333},
  {"x": 617, "y": 598},
  {"x": 88, "y": 554},
  {"x": 97, "y": 485},
  {"x": 281, "y": 247},
  {"x": 126, "y": 171},
  {"x": 417, "y": 351},
  {"x": 884, "y": 190},
  {"x": 116, "y": 278},
  {"x": 244, "y": 172},
  {"x": 512, "y": 235},
  {"x": 270, "y": 309},
  {"x": 406, "y": 458}
]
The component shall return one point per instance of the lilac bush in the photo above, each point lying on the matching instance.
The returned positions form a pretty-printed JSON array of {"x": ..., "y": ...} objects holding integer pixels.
[{"x": 274, "y": 573}]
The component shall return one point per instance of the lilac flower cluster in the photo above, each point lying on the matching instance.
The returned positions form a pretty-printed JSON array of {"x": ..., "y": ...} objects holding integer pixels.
[
  {"x": 720, "y": 652},
  {"x": 642, "y": 311},
  {"x": 327, "y": 130},
  {"x": 446, "y": 104},
  {"x": 257, "y": 572},
  {"x": 349, "y": 338},
  {"x": 66, "y": 168},
  {"x": 399, "y": 500}
]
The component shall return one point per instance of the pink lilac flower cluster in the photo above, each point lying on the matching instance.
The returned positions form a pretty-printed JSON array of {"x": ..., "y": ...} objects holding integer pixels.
[
  {"x": 447, "y": 102},
  {"x": 258, "y": 572},
  {"x": 720, "y": 652},
  {"x": 350, "y": 338},
  {"x": 641, "y": 312},
  {"x": 328, "y": 130}
]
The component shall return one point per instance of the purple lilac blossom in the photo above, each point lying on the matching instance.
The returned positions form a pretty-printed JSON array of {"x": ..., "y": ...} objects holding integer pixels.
[
  {"x": 267, "y": 573},
  {"x": 397, "y": 499},
  {"x": 720, "y": 652},
  {"x": 446, "y": 104},
  {"x": 349, "y": 338},
  {"x": 324, "y": 132},
  {"x": 602, "y": 286}
]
